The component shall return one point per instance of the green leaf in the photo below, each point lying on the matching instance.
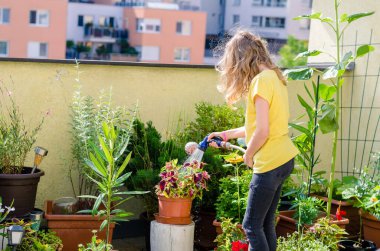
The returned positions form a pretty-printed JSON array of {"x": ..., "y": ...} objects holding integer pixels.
[
  {"x": 308, "y": 54},
  {"x": 363, "y": 50},
  {"x": 301, "y": 129},
  {"x": 328, "y": 122},
  {"x": 123, "y": 177},
  {"x": 93, "y": 167},
  {"x": 98, "y": 201},
  {"x": 101, "y": 169},
  {"x": 316, "y": 15},
  {"x": 123, "y": 166},
  {"x": 103, "y": 225},
  {"x": 307, "y": 107},
  {"x": 299, "y": 73},
  {"x": 105, "y": 129},
  {"x": 99, "y": 154},
  {"x": 343, "y": 18},
  {"x": 331, "y": 72},
  {"x": 327, "y": 20},
  {"x": 105, "y": 149},
  {"x": 88, "y": 196},
  {"x": 308, "y": 92},
  {"x": 326, "y": 92},
  {"x": 132, "y": 192},
  {"x": 356, "y": 16}
]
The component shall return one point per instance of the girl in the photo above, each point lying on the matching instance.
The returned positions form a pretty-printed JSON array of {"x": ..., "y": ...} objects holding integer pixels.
[{"x": 246, "y": 70}]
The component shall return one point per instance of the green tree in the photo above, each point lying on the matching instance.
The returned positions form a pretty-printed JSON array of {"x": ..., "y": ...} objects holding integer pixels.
[{"x": 290, "y": 50}]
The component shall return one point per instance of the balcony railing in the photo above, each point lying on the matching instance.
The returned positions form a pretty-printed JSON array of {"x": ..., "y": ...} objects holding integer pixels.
[{"x": 105, "y": 33}]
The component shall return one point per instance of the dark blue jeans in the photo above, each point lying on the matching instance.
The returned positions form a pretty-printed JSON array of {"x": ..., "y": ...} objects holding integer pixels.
[{"x": 264, "y": 195}]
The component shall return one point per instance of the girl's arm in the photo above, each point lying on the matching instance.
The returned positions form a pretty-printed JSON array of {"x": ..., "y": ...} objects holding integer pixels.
[
  {"x": 229, "y": 134},
  {"x": 261, "y": 133}
]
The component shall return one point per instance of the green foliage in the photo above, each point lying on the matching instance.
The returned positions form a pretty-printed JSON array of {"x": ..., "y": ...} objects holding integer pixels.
[
  {"x": 211, "y": 118},
  {"x": 328, "y": 122},
  {"x": 87, "y": 116},
  {"x": 109, "y": 175},
  {"x": 307, "y": 209},
  {"x": 40, "y": 241},
  {"x": 95, "y": 244},
  {"x": 232, "y": 200},
  {"x": 365, "y": 192},
  {"x": 289, "y": 51},
  {"x": 231, "y": 233},
  {"x": 16, "y": 139},
  {"x": 125, "y": 48},
  {"x": 149, "y": 154},
  {"x": 182, "y": 181},
  {"x": 322, "y": 236}
]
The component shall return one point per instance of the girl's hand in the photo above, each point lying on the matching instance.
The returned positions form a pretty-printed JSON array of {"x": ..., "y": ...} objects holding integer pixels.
[
  {"x": 248, "y": 160},
  {"x": 215, "y": 134}
]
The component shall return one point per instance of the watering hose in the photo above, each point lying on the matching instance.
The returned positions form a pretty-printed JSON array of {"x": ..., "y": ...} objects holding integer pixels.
[{"x": 203, "y": 145}]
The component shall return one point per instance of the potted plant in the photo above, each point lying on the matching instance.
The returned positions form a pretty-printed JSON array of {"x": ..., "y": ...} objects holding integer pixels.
[
  {"x": 17, "y": 182},
  {"x": 232, "y": 199},
  {"x": 323, "y": 236},
  {"x": 330, "y": 108},
  {"x": 87, "y": 118},
  {"x": 231, "y": 237},
  {"x": 366, "y": 196},
  {"x": 178, "y": 186},
  {"x": 110, "y": 178},
  {"x": 4, "y": 211}
]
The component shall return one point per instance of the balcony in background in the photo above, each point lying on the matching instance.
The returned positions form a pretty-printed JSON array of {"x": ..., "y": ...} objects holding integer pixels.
[{"x": 104, "y": 34}]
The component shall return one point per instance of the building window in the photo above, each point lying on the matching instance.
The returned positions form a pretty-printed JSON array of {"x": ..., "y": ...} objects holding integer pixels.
[
  {"x": 148, "y": 53},
  {"x": 83, "y": 20},
  {"x": 4, "y": 15},
  {"x": 235, "y": 19},
  {"x": 257, "y": 2},
  {"x": 183, "y": 27},
  {"x": 182, "y": 55},
  {"x": 236, "y": 3},
  {"x": 275, "y": 22},
  {"x": 276, "y": 3},
  {"x": 257, "y": 21},
  {"x": 148, "y": 25},
  {"x": 39, "y": 17},
  {"x": 37, "y": 50},
  {"x": 3, "y": 48}
]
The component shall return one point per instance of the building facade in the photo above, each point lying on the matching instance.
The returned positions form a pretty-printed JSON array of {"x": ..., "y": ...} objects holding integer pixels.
[
  {"x": 271, "y": 19},
  {"x": 33, "y": 28},
  {"x": 159, "y": 31}
]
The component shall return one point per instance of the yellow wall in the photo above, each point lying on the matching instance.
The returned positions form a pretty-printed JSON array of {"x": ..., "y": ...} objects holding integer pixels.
[
  {"x": 162, "y": 93},
  {"x": 359, "y": 83}
]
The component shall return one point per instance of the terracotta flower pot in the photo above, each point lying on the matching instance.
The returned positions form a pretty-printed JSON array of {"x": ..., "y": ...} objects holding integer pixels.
[
  {"x": 174, "y": 210},
  {"x": 371, "y": 227},
  {"x": 74, "y": 229},
  {"x": 21, "y": 189},
  {"x": 288, "y": 225}
]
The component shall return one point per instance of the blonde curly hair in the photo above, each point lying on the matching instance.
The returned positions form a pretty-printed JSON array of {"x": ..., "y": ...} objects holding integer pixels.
[{"x": 243, "y": 54}]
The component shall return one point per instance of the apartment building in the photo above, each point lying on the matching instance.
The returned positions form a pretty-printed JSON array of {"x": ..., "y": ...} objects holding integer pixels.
[
  {"x": 167, "y": 36},
  {"x": 33, "y": 28},
  {"x": 95, "y": 26},
  {"x": 160, "y": 31},
  {"x": 271, "y": 19}
]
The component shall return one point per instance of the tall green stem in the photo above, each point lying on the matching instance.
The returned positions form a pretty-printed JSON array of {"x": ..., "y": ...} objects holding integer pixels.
[{"x": 337, "y": 106}]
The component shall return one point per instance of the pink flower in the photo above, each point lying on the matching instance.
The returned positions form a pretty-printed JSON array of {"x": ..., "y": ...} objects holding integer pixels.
[{"x": 205, "y": 175}]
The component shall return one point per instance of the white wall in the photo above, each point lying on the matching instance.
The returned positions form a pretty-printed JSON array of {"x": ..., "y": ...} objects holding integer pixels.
[
  {"x": 213, "y": 9},
  {"x": 76, "y": 33}
]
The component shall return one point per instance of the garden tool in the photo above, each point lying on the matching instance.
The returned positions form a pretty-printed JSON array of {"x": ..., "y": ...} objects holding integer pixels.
[
  {"x": 39, "y": 154},
  {"x": 196, "y": 151}
]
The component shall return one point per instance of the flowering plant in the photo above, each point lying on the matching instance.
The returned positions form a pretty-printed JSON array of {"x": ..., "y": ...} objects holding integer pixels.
[
  {"x": 95, "y": 244},
  {"x": 366, "y": 193},
  {"x": 240, "y": 245},
  {"x": 179, "y": 181}
]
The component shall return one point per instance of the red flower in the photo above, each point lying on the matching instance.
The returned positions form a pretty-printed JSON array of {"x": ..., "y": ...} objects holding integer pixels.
[
  {"x": 239, "y": 246},
  {"x": 339, "y": 213}
]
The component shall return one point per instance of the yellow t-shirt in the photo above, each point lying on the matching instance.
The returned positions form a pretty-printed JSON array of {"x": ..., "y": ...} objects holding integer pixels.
[{"x": 278, "y": 149}]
